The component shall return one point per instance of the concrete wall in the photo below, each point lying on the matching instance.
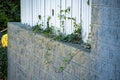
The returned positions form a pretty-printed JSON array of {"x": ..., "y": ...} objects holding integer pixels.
[
  {"x": 34, "y": 57},
  {"x": 106, "y": 37}
]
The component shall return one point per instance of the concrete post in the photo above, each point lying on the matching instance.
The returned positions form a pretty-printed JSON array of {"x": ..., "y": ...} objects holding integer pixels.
[{"x": 106, "y": 37}]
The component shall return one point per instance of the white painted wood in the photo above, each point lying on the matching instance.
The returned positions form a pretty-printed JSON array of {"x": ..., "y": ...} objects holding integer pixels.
[
  {"x": 76, "y": 11},
  {"x": 80, "y": 10},
  {"x": 42, "y": 9},
  {"x": 53, "y": 12},
  {"x": 86, "y": 12},
  {"x": 63, "y": 7},
  {"x": 57, "y": 10},
  {"x": 30, "y": 12},
  {"x": 38, "y": 10},
  {"x": 68, "y": 22}
]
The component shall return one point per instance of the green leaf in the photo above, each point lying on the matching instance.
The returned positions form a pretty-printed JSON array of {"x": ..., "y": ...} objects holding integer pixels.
[
  {"x": 39, "y": 16},
  {"x": 88, "y": 2}
]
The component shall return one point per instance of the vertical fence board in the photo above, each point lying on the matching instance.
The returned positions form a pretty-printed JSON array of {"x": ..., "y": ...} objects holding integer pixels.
[
  {"x": 68, "y": 22},
  {"x": 86, "y": 19},
  {"x": 75, "y": 10},
  {"x": 80, "y": 10},
  {"x": 53, "y": 12},
  {"x": 57, "y": 10},
  {"x": 63, "y": 2}
]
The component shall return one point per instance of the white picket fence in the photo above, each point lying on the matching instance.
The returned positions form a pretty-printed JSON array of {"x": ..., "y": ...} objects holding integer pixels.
[{"x": 80, "y": 10}]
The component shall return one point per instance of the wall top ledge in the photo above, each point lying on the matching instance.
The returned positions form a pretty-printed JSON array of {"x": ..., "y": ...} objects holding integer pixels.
[{"x": 19, "y": 26}]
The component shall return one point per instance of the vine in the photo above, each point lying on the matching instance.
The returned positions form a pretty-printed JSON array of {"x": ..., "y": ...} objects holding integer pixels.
[
  {"x": 66, "y": 61},
  {"x": 49, "y": 31},
  {"x": 74, "y": 37},
  {"x": 38, "y": 27}
]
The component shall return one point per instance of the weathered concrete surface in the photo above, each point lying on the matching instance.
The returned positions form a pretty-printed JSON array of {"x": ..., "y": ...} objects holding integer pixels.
[
  {"x": 106, "y": 38},
  {"x": 34, "y": 57}
]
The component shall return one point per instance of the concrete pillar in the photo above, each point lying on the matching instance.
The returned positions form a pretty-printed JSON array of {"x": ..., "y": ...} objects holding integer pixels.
[{"x": 106, "y": 38}]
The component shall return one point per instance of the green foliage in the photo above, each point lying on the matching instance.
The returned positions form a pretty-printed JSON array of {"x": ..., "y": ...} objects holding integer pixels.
[
  {"x": 9, "y": 11},
  {"x": 3, "y": 59},
  {"x": 47, "y": 31},
  {"x": 49, "y": 28},
  {"x": 61, "y": 68},
  {"x": 3, "y": 63},
  {"x": 38, "y": 27},
  {"x": 39, "y": 16},
  {"x": 62, "y": 16},
  {"x": 63, "y": 65},
  {"x": 65, "y": 11},
  {"x": 74, "y": 37},
  {"x": 88, "y": 2},
  {"x": 65, "y": 61}
]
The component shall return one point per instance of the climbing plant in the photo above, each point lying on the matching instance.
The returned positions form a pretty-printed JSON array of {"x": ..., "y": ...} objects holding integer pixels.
[
  {"x": 66, "y": 61},
  {"x": 74, "y": 37},
  {"x": 49, "y": 30}
]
